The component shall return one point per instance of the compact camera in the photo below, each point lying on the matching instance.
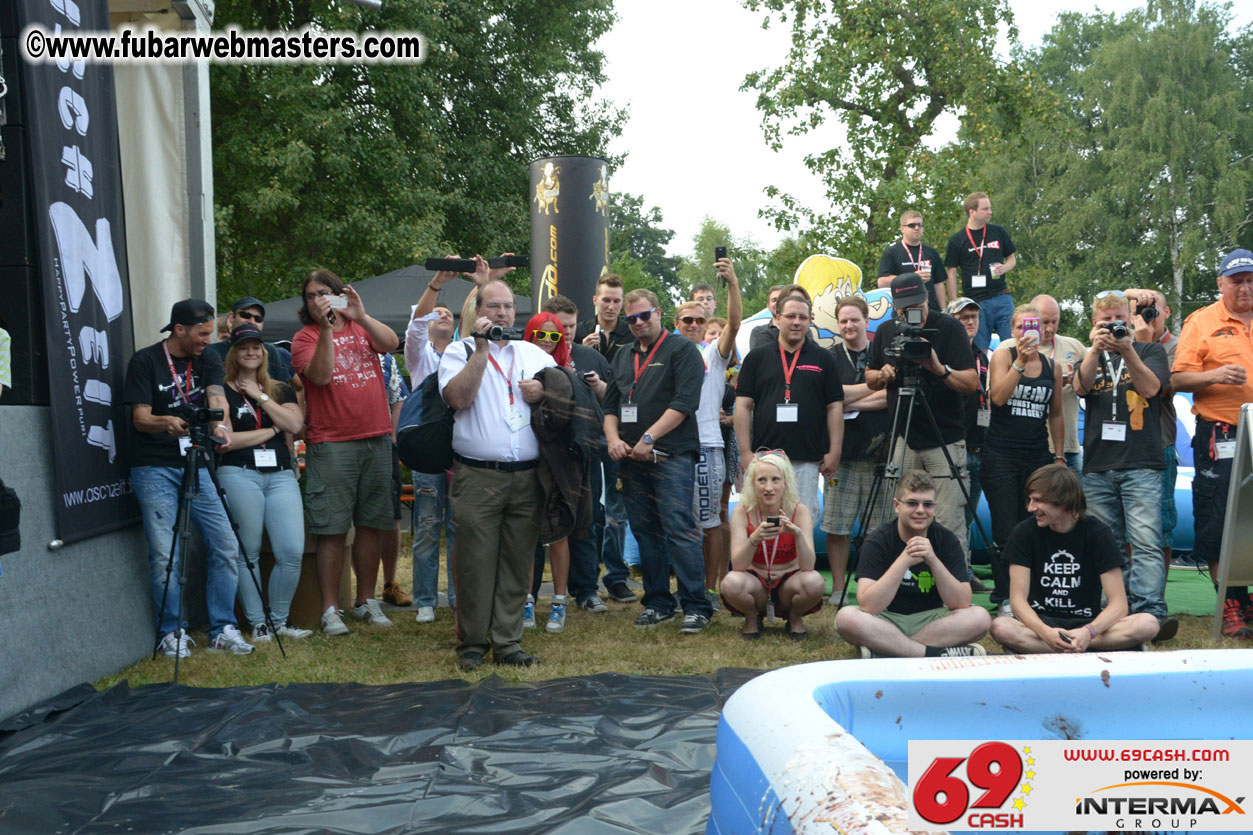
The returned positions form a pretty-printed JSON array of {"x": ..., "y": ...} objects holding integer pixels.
[{"x": 1118, "y": 329}]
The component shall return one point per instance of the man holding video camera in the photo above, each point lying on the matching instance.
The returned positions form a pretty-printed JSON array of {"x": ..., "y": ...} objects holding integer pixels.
[
  {"x": 1123, "y": 383},
  {"x": 169, "y": 386},
  {"x": 931, "y": 351},
  {"x": 496, "y": 496}
]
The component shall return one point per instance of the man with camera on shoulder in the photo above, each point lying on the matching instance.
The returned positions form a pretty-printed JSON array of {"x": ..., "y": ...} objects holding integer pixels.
[
  {"x": 931, "y": 352},
  {"x": 1123, "y": 383}
]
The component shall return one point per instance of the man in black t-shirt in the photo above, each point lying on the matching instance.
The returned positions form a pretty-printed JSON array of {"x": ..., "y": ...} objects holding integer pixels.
[
  {"x": 911, "y": 255},
  {"x": 913, "y": 589},
  {"x": 1061, "y": 562},
  {"x": 1123, "y": 383},
  {"x": 790, "y": 398},
  {"x": 982, "y": 254},
  {"x": 942, "y": 378},
  {"x": 165, "y": 383}
]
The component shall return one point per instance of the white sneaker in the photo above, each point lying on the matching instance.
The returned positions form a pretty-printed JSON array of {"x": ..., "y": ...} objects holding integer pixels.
[
  {"x": 177, "y": 643},
  {"x": 426, "y": 614},
  {"x": 1006, "y": 609},
  {"x": 261, "y": 634},
  {"x": 333, "y": 622},
  {"x": 293, "y": 632},
  {"x": 371, "y": 612},
  {"x": 230, "y": 639},
  {"x": 557, "y": 617},
  {"x": 528, "y": 613}
]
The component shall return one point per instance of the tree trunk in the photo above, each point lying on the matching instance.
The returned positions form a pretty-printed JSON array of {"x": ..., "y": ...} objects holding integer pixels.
[{"x": 1176, "y": 270}]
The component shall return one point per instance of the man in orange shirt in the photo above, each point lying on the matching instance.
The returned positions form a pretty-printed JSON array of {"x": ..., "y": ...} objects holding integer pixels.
[{"x": 1215, "y": 349}]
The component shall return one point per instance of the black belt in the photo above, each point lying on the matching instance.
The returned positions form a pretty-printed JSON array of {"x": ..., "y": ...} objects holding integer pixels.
[{"x": 499, "y": 466}]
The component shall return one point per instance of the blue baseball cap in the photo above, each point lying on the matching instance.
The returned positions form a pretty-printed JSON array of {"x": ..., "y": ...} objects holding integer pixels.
[{"x": 1237, "y": 261}]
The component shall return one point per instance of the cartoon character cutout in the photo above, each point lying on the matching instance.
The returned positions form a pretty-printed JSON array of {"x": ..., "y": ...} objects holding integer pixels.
[{"x": 548, "y": 189}]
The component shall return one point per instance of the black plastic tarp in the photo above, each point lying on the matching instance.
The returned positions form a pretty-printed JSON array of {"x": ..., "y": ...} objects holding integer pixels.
[{"x": 607, "y": 753}]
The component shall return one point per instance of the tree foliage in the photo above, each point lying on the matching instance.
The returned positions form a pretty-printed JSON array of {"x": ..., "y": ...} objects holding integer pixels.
[
  {"x": 638, "y": 234},
  {"x": 367, "y": 168}
]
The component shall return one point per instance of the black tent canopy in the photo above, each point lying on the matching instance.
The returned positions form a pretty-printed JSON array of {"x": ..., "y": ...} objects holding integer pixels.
[{"x": 389, "y": 298}]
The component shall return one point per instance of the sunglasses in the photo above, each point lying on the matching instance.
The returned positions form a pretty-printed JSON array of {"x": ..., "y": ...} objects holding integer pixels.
[
  {"x": 688, "y": 320},
  {"x": 1118, "y": 294},
  {"x": 917, "y": 225},
  {"x": 548, "y": 336},
  {"x": 250, "y": 317},
  {"x": 762, "y": 453},
  {"x": 642, "y": 316},
  {"x": 915, "y": 503}
]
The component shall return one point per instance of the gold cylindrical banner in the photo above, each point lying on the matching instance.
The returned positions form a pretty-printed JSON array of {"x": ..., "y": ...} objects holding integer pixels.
[{"x": 569, "y": 229}]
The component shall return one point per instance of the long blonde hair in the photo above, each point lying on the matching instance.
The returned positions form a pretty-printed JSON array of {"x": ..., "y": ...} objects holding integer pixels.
[
  {"x": 791, "y": 496},
  {"x": 270, "y": 387}
]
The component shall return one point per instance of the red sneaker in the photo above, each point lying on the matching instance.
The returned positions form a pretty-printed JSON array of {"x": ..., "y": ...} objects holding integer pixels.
[{"x": 1233, "y": 621}]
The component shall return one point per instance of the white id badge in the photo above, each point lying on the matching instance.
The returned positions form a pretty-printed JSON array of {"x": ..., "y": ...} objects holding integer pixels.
[
  {"x": 1225, "y": 449},
  {"x": 983, "y": 417},
  {"x": 1111, "y": 431},
  {"x": 851, "y": 415},
  {"x": 977, "y": 281},
  {"x": 630, "y": 414},
  {"x": 264, "y": 458},
  {"x": 516, "y": 420},
  {"x": 787, "y": 413},
  {"x": 184, "y": 444}
]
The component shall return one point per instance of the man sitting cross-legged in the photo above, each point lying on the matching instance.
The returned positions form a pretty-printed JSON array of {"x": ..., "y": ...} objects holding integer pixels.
[
  {"x": 1059, "y": 564},
  {"x": 913, "y": 588}
]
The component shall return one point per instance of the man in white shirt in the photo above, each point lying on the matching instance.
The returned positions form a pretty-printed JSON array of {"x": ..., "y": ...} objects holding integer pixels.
[{"x": 496, "y": 495}]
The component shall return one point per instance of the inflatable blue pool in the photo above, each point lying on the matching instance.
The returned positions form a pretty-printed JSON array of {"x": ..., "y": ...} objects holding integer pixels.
[{"x": 823, "y": 747}]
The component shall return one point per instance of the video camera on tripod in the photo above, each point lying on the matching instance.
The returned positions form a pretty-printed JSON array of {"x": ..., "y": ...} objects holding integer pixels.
[
  {"x": 910, "y": 342},
  {"x": 198, "y": 419}
]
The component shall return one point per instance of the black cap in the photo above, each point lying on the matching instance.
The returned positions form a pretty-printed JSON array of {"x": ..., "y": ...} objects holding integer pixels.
[
  {"x": 247, "y": 302},
  {"x": 908, "y": 290},
  {"x": 243, "y": 332},
  {"x": 189, "y": 312}
]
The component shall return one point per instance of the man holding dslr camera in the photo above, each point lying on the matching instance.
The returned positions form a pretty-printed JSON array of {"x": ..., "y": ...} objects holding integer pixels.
[
  {"x": 932, "y": 351},
  {"x": 166, "y": 385}
]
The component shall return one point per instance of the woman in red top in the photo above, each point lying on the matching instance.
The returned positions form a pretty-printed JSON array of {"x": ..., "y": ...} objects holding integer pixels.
[{"x": 772, "y": 550}]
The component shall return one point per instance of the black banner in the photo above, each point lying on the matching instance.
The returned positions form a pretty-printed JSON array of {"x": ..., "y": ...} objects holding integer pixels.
[
  {"x": 569, "y": 228},
  {"x": 77, "y": 179}
]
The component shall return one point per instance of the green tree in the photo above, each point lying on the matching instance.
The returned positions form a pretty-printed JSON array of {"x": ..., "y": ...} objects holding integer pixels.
[
  {"x": 368, "y": 168},
  {"x": 640, "y": 235},
  {"x": 887, "y": 72}
]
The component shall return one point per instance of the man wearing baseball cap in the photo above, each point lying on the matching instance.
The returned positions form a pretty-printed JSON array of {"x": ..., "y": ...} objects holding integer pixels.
[
  {"x": 943, "y": 378},
  {"x": 1212, "y": 360},
  {"x": 978, "y": 410},
  {"x": 250, "y": 311},
  {"x": 165, "y": 384}
]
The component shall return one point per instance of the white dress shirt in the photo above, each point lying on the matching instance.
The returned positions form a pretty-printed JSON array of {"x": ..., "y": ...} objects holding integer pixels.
[{"x": 421, "y": 358}]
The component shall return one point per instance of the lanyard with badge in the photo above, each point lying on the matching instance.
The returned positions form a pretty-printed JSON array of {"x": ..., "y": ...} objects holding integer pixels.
[
  {"x": 859, "y": 369},
  {"x": 983, "y": 416},
  {"x": 630, "y": 411},
  {"x": 1112, "y": 430},
  {"x": 787, "y": 411},
  {"x": 181, "y": 394},
  {"x": 261, "y": 456},
  {"x": 514, "y": 419},
  {"x": 769, "y": 557},
  {"x": 980, "y": 278}
]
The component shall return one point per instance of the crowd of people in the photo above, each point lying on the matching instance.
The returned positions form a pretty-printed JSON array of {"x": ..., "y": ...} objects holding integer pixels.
[{"x": 568, "y": 431}]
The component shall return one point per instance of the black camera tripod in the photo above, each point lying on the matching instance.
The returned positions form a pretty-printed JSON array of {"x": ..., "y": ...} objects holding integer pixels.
[
  {"x": 198, "y": 453},
  {"x": 888, "y": 472}
]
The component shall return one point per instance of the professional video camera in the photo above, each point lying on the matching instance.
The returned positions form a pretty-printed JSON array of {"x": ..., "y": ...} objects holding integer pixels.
[
  {"x": 1118, "y": 329},
  {"x": 199, "y": 416},
  {"x": 911, "y": 341}
]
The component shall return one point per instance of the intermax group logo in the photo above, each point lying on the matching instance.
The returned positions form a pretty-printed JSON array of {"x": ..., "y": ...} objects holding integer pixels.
[{"x": 1158, "y": 804}]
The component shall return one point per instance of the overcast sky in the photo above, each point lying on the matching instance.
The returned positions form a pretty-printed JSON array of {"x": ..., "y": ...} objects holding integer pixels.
[{"x": 694, "y": 142}]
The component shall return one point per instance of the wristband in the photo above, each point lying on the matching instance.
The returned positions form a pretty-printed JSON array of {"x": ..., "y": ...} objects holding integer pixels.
[
  {"x": 1090, "y": 629},
  {"x": 1020, "y": 369}
]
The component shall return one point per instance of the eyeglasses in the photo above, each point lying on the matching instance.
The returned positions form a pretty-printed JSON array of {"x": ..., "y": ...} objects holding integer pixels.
[
  {"x": 1118, "y": 294},
  {"x": 917, "y": 225},
  {"x": 548, "y": 336},
  {"x": 914, "y": 504},
  {"x": 499, "y": 305},
  {"x": 968, "y": 317},
  {"x": 688, "y": 320},
  {"x": 642, "y": 316},
  {"x": 250, "y": 317},
  {"x": 311, "y": 296}
]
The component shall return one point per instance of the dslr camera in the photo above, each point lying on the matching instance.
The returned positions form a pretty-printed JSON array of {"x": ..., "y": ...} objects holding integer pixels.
[
  {"x": 910, "y": 342},
  {"x": 495, "y": 333},
  {"x": 1148, "y": 311},
  {"x": 1118, "y": 329}
]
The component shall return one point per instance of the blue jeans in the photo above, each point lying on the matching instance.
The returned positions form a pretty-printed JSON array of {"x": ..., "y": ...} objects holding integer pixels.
[
  {"x": 1130, "y": 502},
  {"x": 613, "y": 543},
  {"x": 1170, "y": 514},
  {"x": 1074, "y": 460},
  {"x": 659, "y": 505},
  {"x": 994, "y": 315},
  {"x": 268, "y": 500},
  {"x": 157, "y": 490},
  {"x": 431, "y": 512},
  {"x": 974, "y": 465}
]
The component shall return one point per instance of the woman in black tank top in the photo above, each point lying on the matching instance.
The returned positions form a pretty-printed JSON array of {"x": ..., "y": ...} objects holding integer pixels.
[{"x": 1024, "y": 393}]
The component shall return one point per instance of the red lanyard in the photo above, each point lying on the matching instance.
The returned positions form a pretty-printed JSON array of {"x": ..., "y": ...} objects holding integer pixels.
[
  {"x": 256, "y": 414},
  {"x": 184, "y": 393},
  {"x": 981, "y": 378},
  {"x": 639, "y": 371},
  {"x": 508, "y": 377},
  {"x": 979, "y": 248},
  {"x": 917, "y": 262},
  {"x": 787, "y": 371}
]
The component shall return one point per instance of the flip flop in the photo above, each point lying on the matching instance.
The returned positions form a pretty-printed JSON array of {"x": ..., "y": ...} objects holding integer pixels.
[{"x": 798, "y": 636}]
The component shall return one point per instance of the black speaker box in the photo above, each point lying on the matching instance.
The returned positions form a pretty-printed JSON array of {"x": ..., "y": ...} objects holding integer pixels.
[
  {"x": 18, "y": 242},
  {"x": 23, "y": 318},
  {"x": 9, "y": 22},
  {"x": 14, "y": 101}
]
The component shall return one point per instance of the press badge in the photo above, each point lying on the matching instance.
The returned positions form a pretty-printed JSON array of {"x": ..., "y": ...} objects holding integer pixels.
[
  {"x": 983, "y": 417},
  {"x": 853, "y": 415},
  {"x": 787, "y": 413},
  {"x": 184, "y": 444},
  {"x": 1112, "y": 431},
  {"x": 977, "y": 281},
  {"x": 630, "y": 414},
  {"x": 516, "y": 420},
  {"x": 1225, "y": 449},
  {"x": 264, "y": 458}
]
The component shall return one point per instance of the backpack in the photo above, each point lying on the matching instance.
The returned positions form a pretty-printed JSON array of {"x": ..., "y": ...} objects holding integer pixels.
[{"x": 424, "y": 437}]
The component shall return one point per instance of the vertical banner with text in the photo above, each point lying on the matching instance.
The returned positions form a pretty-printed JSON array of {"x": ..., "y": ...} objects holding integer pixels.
[
  {"x": 77, "y": 180},
  {"x": 569, "y": 229}
]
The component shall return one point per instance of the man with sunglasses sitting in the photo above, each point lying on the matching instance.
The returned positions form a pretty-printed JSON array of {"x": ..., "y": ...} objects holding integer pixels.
[
  {"x": 250, "y": 311},
  {"x": 651, "y": 428},
  {"x": 913, "y": 586}
]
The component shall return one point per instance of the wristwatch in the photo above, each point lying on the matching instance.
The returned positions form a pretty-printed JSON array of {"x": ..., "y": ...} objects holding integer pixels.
[
  {"x": 648, "y": 439},
  {"x": 1021, "y": 369},
  {"x": 264, "y": 398},
  {"x": 947, "y": 372}
]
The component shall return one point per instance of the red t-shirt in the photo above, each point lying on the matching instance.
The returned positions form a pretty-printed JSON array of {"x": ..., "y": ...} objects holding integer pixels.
[{"x": 354, "y": 405}]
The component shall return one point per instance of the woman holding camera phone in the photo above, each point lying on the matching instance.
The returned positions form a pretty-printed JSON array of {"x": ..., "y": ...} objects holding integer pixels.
[
  {"x": 1025, "y": 395},
  {"x": 259, "y": 481},
  {"x": 772, "y": 550}
]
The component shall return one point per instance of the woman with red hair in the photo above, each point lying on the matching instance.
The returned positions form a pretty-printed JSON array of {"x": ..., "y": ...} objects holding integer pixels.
[{"x": 545, "y": 330}]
